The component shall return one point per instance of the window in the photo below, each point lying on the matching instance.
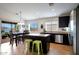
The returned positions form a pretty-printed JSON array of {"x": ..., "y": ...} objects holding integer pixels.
[
  {"x": 6, "y": 28},
  {"x": 33, "y": 26}
]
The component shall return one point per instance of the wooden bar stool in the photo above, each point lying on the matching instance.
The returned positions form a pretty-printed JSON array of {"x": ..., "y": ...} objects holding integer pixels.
[
  {"x": 38, "y": 46},
  {"x": 27, "y": 45}
]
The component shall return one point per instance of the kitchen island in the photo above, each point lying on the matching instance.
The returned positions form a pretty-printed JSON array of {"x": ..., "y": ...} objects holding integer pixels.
[{"x": 45, "y": 38}]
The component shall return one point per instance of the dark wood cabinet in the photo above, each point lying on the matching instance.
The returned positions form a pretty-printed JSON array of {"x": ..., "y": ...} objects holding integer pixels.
[
  {"x": 64, "y": 21},
  {"x": 53, "y": 34},
  {"x": 65, "y": 40},
  {"x": 52, "y": 38}
]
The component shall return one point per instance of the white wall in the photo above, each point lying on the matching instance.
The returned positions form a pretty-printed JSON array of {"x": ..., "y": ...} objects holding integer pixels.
[{"x": 43, "y": 21}]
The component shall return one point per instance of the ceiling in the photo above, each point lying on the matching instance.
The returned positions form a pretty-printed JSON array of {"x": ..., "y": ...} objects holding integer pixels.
[{"x": 31, "y": 11}]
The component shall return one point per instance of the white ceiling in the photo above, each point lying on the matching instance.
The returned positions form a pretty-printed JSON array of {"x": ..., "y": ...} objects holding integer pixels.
[{"x": 34, "y": 10}]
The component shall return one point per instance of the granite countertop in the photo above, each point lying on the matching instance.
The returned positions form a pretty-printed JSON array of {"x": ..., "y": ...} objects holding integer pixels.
[{"x": 58, "y": 32}]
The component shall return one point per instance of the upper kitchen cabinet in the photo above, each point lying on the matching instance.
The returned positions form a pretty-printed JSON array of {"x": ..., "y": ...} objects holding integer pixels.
[{"x": 64, "y": 21}]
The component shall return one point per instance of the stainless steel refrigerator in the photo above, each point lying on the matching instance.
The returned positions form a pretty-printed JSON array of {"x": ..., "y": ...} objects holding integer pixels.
[{"x": 72, "y": 30}]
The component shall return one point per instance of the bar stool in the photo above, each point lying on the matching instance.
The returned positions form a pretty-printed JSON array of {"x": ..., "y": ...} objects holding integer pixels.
[
  {"x": 27, "y": 45},
  {"x": 38, "y": 43}
]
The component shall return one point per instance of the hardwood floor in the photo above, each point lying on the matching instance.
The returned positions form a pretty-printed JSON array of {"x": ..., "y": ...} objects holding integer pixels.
[
  {"x": 55, "y": 49},
  {"x": 7, "y": 39},
  {"x": 59, "y": 49}
]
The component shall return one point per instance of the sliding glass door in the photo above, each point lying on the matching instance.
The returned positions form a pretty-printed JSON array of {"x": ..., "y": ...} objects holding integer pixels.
[{"x": 6, "y": 28}]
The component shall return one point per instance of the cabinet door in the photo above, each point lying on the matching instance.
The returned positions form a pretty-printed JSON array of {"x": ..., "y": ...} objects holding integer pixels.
[
  {"x": 51, "y": 26},
  {"x": 64, "y": 21},
  {"x": 65, "y": 40}
]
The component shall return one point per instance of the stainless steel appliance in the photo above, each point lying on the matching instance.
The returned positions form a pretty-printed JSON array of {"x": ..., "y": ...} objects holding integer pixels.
[{"x": 72, "y": 30}]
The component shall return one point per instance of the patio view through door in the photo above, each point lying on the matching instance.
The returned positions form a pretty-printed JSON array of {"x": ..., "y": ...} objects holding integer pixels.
[{"x": 6, "y": 27}]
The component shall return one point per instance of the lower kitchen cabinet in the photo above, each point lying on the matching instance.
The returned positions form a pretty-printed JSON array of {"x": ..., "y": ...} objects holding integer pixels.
[{"x": 65, "y": 40}]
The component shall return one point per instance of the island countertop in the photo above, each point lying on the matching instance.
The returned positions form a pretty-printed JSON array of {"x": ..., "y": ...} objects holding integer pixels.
[
  {"x": 42, "y": 35},
  {"x": 57, "y": 32}
]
